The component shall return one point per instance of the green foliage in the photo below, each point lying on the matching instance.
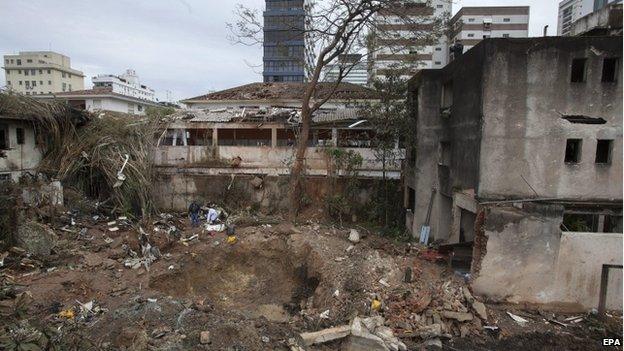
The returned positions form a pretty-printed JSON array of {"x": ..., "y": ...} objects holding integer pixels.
[
  {"x": 341, "y": 198},
  {"x": 393, "y": 123}
]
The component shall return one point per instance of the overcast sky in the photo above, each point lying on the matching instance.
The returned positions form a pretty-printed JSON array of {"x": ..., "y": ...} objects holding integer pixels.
[{"x": 174, "y": 45}]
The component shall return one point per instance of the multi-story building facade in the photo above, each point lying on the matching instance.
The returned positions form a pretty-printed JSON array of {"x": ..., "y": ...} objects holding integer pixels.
[
  {"x": 286, "y": 51},
  {"x": 354, "y": 70},
  {"x": 393, "y": 48},
  {"x": 571, "y": 11},
  {"x": 470, "y": 25},
  {"x": 41, "y": 72},
  {"x": 518, "y": 158},
  {"x": 125, "y": 84}
]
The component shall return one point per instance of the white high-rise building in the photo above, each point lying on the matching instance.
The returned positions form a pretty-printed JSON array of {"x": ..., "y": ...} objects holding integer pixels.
[
  {"x": 394, "y": 48},
  {"x": 127, "y": 84},
  {"x": 571, "y": 11},
  {"x": 352, "y": 65},
  {"x": 470, "y": 25}
]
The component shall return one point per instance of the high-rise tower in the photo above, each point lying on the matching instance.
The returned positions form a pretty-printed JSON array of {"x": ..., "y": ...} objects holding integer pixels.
[{"x": 284, "y": 41}]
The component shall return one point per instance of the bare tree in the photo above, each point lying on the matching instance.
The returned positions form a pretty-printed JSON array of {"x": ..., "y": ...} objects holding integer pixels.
[{"x": 333, "y": 28}]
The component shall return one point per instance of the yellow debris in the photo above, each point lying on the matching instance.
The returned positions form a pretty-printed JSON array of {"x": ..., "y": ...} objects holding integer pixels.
[
  {"x": 68, "y": 313},
  {"x": 375, "y": 305},
  {"x": 231, "y": 239}
]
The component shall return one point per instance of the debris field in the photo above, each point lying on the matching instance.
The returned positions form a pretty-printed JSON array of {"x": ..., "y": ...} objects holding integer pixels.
[{"x": 106, "y": 283}]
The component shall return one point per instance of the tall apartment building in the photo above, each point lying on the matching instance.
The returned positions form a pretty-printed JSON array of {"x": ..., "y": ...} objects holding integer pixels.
[
  {"x": 392, "y": 48},
  {"x": 571, "y": 11},
  {"x": 41, "y": 72},
  {"x": 470, "y": 25},
  {"x": 127, "y": 84},
  {"x": 355, "y": 70},
  {"x": 285, "y": 49}
]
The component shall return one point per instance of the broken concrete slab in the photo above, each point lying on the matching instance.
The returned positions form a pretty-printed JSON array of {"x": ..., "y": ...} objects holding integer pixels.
[
  {"x": 429, "y": 332},
  {"x": 480, "y": 309},
  {"x": 433, "y": 344},
  {"x": 325, "y": 335},
  {"x": 458, "y": 316},
  {"x": 35, "y": 238},
  {"x": 468, "y": 296},
  {"x": 371, "y": 323},
  {"x": 391, "y": 341},
  {"x": 354, "y": 236},
  {"x": 365, "y": 342},
  {"x": 371, "y": 334}
]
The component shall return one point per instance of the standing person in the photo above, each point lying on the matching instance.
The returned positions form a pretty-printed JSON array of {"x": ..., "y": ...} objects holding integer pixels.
[{"x": 194, "y": 213}]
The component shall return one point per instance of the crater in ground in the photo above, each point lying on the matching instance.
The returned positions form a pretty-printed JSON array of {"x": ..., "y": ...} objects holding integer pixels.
[{"x": 266, "y": 279}]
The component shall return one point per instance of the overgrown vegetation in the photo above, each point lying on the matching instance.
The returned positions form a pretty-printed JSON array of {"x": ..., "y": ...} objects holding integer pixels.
[
  {"x": 393, "y": 123},
  {"x": 341, "y": 200},
  {"x": 88, "y": 152}
]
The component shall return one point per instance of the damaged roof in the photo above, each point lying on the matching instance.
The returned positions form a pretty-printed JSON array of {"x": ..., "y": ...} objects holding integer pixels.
[
  {"x": 264, "y": 114},
  {"x": 286, "y": 91}
]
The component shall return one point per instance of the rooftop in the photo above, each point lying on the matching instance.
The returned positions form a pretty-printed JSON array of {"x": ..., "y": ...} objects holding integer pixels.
[
  {"x": 107, "y": 91},
  {"x": 286, "y": 91},
  {"x": 272, "y": 114}
]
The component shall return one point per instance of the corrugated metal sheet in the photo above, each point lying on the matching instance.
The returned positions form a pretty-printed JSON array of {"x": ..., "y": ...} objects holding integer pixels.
[{"x": 335, "y": 115}]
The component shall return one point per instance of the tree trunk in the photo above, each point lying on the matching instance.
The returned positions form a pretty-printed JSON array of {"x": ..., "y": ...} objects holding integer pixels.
[{"x": 296, "y": 173}]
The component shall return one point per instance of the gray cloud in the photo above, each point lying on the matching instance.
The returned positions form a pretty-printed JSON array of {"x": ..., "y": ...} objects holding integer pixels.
[{"x": 180, "y": 46}]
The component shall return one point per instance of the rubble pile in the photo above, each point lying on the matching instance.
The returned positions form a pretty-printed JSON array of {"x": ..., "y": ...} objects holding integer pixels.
[{"x": 444, "y": 311}]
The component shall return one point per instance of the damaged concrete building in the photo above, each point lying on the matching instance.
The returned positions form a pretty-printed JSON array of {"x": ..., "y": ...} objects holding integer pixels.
[
  {"x": 18, "y": 148},
  {"x": 518, "y": 161},
  {"x": 251, "y": 130}
]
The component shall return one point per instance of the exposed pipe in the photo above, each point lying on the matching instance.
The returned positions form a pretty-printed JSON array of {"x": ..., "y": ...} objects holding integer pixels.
[{"x": 546, "y": 30}]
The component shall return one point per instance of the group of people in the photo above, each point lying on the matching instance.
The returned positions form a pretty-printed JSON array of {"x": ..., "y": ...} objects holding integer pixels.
[{"x": 212, "y": 215}]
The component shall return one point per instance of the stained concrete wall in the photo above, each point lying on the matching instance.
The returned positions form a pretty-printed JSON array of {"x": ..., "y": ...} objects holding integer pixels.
[
  {"x": 521, "y": 255},
  {"x": 175, "y": 191},
  {"x": 579, "y": 268},
  {"x": 505, "y": 127},
  {"x": 262, "y": 159},
  {"x": 20, "y": 158},
  {"x": 447, "y": 146},
  {"x": 526, "y": 91},
  {"x": 529, "y": 259}
]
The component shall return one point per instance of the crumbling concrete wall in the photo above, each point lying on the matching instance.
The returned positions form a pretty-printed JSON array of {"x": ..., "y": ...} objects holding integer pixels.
[
  {"x": 175, "y": 191},
  {"x": 262, "y": 159},
  {"x": 447, "y": 144},
  {"x": 529, "y": 259},
  {"x": 521, "y": 254},
  {"x": 524, "y": 134},
  {"x": 19, "y": 157}
]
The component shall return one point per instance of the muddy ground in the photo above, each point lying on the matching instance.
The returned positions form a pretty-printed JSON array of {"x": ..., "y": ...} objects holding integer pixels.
[{"x": 276, "y": 281}]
